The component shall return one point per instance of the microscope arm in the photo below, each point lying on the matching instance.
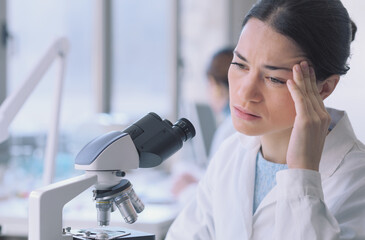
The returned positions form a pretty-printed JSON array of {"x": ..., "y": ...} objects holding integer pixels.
[{"x": 46, "y": 205}]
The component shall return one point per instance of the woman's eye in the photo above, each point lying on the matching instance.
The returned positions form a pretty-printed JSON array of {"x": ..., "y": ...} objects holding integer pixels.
[
  {"x": 240, "y": 65},
  {"x": 275, "y": 80}
]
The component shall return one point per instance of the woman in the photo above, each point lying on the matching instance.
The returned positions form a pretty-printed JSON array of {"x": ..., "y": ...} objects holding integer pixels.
[{"x": 301, "y": 172}]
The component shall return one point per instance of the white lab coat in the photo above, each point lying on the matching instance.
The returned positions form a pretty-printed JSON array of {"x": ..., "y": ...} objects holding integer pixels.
[
  {"x": 224, "y": 130},
  {"x": 305, "y": 204}
]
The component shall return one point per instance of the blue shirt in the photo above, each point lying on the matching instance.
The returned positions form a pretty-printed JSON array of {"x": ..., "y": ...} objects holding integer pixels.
[{"x": 265, "y": 178}]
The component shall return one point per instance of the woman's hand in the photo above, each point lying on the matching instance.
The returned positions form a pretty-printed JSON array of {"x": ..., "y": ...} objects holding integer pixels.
[{"x": 311, "y": 122}]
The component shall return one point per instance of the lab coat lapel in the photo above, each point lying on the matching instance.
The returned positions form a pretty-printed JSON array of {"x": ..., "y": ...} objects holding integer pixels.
[
  {"x": 267, "y": 200},
  {"x": 338, "y": 143},
  {"x": 247, "y": 180}
]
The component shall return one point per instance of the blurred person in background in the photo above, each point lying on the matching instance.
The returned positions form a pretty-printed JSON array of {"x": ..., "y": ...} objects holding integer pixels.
[{"x": 218, "y": 91}]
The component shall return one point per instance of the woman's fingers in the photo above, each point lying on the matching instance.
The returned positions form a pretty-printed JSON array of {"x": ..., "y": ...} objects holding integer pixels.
[
  {"x": 324, "y": 116},
  {"x": 298, "y": 78},
  {"x": 315, "y": 88},
  {"x": 301, "y": 99},
  {"x": 298, "y": 97},
  {"x": 306, "y": 77}
]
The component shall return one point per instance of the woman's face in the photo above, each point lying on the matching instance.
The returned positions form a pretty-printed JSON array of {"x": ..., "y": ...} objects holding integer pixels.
[{"x": 259, "y": 98}]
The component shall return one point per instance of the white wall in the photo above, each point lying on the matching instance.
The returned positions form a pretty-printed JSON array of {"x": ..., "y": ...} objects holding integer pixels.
[
  {"x": 203, "y": 31},
  {"x": 206, "y": 26},
  {"x": 350, "y": 93}
]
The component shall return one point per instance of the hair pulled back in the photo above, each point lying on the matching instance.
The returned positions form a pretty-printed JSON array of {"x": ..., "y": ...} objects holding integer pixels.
[{"x": 321, "y": 28}]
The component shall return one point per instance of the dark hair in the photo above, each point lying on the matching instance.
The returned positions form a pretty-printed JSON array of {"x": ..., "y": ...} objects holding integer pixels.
[
  {"x": 321, "y": 28},
  {"x": 219, "y": 65}
]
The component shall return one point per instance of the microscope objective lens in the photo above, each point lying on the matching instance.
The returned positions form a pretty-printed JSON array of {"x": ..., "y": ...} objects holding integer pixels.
[
  {"x": 103, "y": 212},
  {"x": 126, "y": 208},
  {"x": 136, "y": 201}
]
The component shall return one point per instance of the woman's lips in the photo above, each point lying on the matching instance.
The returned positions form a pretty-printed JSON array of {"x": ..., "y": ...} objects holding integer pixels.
[{"x": 245, "y": 115}]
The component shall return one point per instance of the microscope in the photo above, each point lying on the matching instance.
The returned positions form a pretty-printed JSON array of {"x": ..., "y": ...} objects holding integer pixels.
[{"x": 144, "y": 144}]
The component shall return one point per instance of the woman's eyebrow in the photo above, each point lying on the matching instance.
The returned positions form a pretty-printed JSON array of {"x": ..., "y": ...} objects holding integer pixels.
[
  {"x": 270, "y": 67},
  {"x": 277, "y": 68},
  {"x": 240, "y": 56}
]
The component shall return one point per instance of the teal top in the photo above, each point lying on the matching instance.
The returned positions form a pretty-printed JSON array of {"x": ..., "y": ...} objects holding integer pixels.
[{"x": 265, "y": 178}]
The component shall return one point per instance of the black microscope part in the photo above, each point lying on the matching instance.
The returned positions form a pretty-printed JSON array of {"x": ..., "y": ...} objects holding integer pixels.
[{"x": 157, "y": 139}]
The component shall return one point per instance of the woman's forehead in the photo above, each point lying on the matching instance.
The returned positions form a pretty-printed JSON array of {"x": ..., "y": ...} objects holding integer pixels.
[{"x": 260, "y": 42}]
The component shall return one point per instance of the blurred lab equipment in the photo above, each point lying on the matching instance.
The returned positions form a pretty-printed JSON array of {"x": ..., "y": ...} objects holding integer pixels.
[
  {"x": 13, "y": 103},
  {"x": 145, "y": 144}
]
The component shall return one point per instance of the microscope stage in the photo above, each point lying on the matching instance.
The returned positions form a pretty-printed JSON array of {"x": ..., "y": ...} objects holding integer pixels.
[{"x": 109, "y": 233}]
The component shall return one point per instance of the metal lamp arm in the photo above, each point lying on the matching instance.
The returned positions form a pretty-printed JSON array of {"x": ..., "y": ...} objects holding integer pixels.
[{"x": 13, "y": 103}]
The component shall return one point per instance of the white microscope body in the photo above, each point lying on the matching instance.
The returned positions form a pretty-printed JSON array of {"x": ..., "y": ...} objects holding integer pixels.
[
  {"x": 46, "y": 204},
  {"x": 146, "y": 143}
]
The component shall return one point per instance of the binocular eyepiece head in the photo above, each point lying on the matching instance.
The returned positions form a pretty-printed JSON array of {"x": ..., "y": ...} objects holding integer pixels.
[{"x": 157, "y": 139}]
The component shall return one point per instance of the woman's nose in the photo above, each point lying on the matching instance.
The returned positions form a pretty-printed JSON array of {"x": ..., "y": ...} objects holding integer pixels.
[{"x": 250, "y": 88}]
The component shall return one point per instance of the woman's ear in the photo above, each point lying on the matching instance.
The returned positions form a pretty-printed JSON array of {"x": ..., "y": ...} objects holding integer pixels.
[{"x": 327, "y": 86}]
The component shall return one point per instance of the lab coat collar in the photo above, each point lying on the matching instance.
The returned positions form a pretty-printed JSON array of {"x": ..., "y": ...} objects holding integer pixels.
[{"x": 339, "y": 142}]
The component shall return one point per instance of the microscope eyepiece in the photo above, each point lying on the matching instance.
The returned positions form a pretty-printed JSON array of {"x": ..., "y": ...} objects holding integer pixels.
[
  {"x": 157, "y": 139},
  {"x": 184, "y": 128}
]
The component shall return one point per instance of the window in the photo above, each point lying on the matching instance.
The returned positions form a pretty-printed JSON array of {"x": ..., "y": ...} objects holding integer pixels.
[
  {"x": 143, "y": 69},
  {"x": 34, "y": 26},
  {"x": 143, "y": 57}
]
